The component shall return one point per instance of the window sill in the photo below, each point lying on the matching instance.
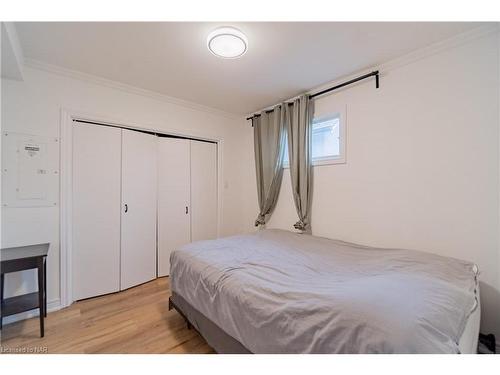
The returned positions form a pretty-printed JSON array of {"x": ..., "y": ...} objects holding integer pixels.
[
  {"x": 320, "y": 162},
  {"x": 339, "y": 160}
]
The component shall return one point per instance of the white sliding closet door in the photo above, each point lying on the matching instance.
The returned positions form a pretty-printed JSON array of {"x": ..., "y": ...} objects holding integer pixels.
[
  {"x": 203, "y": 190},
  {"x": 139, "y": 204},
  {"x": 96, "y": 210},
  {"x": 174, "y": 228}
]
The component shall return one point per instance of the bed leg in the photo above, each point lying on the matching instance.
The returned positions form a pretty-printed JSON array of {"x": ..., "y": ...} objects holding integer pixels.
[{"x": 172, "y": 306}]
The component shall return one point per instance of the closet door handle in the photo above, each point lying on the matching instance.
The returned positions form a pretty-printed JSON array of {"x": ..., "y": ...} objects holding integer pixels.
[
  {"x": 187, "y": 210},
  {"x": 126, "y": 208}
]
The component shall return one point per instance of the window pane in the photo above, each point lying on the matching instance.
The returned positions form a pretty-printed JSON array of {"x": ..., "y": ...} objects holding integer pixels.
[
  {"x": 325, "y": 138},
  {"x": 286, "y": 158}
]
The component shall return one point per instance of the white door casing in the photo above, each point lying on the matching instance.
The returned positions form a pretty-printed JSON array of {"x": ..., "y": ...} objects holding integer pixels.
[{"x": 68, "y": 117}]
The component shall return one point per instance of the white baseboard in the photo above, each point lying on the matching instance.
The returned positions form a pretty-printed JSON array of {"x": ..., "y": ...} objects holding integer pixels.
[{"x": 51, "y": 306}]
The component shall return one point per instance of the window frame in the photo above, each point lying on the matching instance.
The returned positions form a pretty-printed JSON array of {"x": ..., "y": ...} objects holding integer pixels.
[{"x": 330, "y": 160}]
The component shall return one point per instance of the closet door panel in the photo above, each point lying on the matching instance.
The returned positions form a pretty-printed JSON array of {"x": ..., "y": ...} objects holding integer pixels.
[
  {"x": 174, "y": 227},
  {"x": 203, "y": 190},
  {"x": 96, "y": 210},
  {"x": 139, "y": 205}
]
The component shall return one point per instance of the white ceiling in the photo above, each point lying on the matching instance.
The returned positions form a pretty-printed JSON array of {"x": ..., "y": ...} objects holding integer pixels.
[{"x": 283, "y": 59}]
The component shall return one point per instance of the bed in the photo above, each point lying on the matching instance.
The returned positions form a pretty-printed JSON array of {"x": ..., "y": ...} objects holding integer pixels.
[{"x": 281, "y": 292}]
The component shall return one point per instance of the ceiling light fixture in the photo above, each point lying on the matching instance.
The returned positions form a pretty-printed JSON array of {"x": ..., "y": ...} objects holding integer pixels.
[{"x": 227, "y": 42}]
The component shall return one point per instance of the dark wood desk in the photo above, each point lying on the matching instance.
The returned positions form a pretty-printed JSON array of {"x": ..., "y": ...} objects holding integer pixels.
[{"x": 19, "y": 259}]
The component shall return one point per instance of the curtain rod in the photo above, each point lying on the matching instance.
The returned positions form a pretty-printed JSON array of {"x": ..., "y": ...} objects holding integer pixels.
[{"x": 350, "y": 82}]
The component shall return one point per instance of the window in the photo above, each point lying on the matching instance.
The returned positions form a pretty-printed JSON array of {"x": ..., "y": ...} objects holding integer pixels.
[{"x": 327, "y": 141}]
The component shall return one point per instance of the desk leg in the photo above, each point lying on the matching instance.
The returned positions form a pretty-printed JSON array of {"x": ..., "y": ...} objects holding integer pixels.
[
  {"x": 45, "y": 285},
  {"x": 2, "y": 283},
  {"x": 41, "y": 303}
]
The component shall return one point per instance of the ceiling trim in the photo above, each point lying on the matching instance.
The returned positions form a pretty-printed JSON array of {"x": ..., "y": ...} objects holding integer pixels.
[
  {"x": 409, "y": 58},
  {"x": 398, "y": 62},
  {"x": 421, "y": 53},
  {"x": 441, "y": 46},
  {"x": 100, "y": 81}
]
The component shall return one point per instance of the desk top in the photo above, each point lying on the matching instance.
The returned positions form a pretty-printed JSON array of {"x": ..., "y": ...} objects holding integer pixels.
[{"x": 20, "y": 252}]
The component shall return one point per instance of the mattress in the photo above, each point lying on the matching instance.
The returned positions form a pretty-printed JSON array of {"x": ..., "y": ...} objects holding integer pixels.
[{"x": 280, "y": 292}]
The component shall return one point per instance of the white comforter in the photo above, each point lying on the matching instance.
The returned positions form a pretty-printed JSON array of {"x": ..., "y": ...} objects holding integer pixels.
[{"x": 280, "y": 292}]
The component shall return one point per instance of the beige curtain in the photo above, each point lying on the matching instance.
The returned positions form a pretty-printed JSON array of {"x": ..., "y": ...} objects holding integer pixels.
[
  {"x": 299, "y": 131},
  {"x": 269, "y": 145}
]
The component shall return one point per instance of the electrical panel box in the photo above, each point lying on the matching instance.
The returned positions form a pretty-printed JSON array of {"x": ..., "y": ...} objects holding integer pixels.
[{"x": 30, "y": 170}]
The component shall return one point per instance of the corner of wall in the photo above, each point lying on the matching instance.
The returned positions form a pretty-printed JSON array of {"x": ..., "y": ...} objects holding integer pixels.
[{"x": 12, "y": 54}]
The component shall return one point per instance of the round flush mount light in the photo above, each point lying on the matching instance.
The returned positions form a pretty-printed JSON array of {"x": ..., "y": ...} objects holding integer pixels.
[{"x": 227, "y": 42}]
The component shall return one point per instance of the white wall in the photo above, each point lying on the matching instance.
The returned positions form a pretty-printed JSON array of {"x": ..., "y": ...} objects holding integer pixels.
[
  {"x": 34, "y": 107},
  {"x": 422, "y": 167}
]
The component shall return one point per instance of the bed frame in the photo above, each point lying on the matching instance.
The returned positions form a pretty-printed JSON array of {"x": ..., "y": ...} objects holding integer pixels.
[{"x": 217, "y": 338}]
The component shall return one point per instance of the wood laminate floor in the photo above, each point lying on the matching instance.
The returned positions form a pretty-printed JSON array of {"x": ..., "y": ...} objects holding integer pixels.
[{"x": 133, "y": 321}]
